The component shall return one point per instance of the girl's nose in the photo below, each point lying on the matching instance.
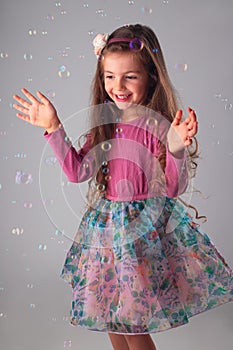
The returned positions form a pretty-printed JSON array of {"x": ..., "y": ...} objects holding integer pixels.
[{"x": 119, "y": 84}]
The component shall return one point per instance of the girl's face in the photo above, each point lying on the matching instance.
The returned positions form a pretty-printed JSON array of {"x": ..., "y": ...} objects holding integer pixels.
[{"x": 125, "y": 79}]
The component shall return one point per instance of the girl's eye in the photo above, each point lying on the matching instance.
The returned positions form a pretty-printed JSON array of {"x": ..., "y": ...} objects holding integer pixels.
[
  {"x": 131, "y": 77},
  {"x": 109, "y": 77}
]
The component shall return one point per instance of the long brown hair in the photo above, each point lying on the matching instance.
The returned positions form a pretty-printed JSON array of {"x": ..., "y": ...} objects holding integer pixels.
[{"x": 161, "y": 95}]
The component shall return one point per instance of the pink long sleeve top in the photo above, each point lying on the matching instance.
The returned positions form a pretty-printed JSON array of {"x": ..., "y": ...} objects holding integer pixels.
[{"x": 132, "y": 167}]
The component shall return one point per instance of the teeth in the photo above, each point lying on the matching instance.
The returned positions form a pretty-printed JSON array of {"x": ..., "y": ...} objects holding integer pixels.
[{"x": 122, "y": 96}]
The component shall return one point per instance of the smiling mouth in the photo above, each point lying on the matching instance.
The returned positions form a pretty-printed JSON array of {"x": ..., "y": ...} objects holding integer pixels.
[{"x": 122, "y": 98}]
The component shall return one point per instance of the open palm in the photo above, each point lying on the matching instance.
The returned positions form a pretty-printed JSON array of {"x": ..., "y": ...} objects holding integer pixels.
[{"x": 38, "y": 112}]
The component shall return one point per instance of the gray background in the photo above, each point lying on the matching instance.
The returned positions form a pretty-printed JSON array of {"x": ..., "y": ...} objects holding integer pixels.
[{"x": 39, "y": 214}]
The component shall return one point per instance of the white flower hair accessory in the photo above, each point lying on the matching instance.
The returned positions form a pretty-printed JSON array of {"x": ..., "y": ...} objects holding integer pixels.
[{"x": 99, "y": 43}]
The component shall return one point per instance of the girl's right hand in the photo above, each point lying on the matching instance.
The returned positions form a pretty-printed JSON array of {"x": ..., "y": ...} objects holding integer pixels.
[{"x": 37, "y": 112}]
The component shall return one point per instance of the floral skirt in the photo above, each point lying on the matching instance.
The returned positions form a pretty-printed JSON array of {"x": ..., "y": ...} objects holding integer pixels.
[{"x": 143, "y": 266}]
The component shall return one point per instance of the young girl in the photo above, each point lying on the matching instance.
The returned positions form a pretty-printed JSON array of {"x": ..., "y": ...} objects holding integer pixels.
[{"x": 139, "y": 264}]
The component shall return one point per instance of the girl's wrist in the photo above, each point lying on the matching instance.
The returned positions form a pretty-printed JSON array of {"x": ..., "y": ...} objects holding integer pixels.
[{"x": 54, "y": 127}]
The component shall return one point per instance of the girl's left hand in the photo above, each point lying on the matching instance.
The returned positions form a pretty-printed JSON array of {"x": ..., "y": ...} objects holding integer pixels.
[{"x": 180, "y": 133}]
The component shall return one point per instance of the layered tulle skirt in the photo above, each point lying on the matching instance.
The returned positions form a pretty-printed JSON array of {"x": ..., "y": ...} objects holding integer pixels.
[{"x": 143, "y": 266}]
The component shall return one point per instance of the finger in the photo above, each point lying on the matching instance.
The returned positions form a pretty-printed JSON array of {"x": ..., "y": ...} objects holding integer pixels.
[
  {"x": 177, "y": 118},
  {"x": 21, "y": 109},
  {"x": 24, "y": 117},
  {"x": 29, "y": 95},
  {"x": 21, "y": 100},
  {"x": 43, "y": 98}
]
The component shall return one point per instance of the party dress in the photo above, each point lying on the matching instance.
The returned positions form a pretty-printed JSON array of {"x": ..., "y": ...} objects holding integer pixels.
[{"x": 139, "y": 263}]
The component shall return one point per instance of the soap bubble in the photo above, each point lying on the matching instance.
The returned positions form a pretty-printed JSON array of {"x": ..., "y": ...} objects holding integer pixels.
[
  {"x": 3, "y": 55},
  {"x": 136, "y": 44},
  {"x": 228, "y": 106},
  {"x": 32, "y": 32},
  {"x": 181, "y": 67},
  {"x": 131, "y": 2},
  {"x": 23, "y": 178},
  {"x": 63, "y": 72},
  {"x": 27, "y": 56},
  {"x": 50, "y": 17},
  {"x": 50, "y": 94},
  {"x": 106, "y": 146},
  {"x": 17, "y": 231},
  {"x": 42, "y": 247},
  {"x": 27, "y": 205},
  {"x": 67, "y": 343},
  {"x": 50, "y": 160},
  {"x": 101, "y": 13},
  {"x": 147, "y": 10}
]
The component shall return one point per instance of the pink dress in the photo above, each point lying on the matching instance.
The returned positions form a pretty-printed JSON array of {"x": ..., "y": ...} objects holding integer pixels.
[{"x": 139, "y": 263}]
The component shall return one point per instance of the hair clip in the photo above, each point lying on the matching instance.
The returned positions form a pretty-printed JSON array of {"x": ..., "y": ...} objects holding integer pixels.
[{"x": 99, "y": 43}]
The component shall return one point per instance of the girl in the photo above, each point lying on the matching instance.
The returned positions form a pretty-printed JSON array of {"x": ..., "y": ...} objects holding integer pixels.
[{"x": 139, "y": 264}]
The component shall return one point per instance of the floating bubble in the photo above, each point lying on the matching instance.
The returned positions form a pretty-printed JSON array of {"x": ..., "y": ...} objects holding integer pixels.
[
  {"x": 217, "y": 95},
  {"x": 85, "y": 5},
  {"x": 17, "y": 231},
  {"x": 32, "y": 306},
  {"x": 57, "y": 4},
  {"x": 27, "y": 56},
  {"x": 2, "y": 315},
  {"x": 106, "y": 146},
  {"x": 50, "y": 17},
  {"x": 50, "y": 94},
  {"x": 48, "y": 202},
  {"x": 30, "y": 285},
  {"x": 0, "y": 186},
  {"x": 20, "y": 155},
  {"x": 2, "y": 133},
  {"x": 67, "y": 343},
  {"x": 101, "y": 13},
  {"x": 85, "y": 165},
  {"x": 181, "y": 67},
  {"x": 50, "y": 160},
  {"x": 81, "y": 57},
  {"x": 63, "y": 12},
  {"x": 147, "y": 10},
  {"x": 50, "y": 58},
  {"x": 29, "y": 80},
  {"x": 91, "y": 32},
  {"x": 228, "y": 106},
  {"x": 224, "y": 100},
  {"x": 63, "y": 72},
  {"x": 152, "y": 121},
  {"x": 136, "y": 44},
  {"x": 27, "y": 205},
  {"x": 32, "y": 32},
  {"x": 105, "y": 171},
  {"x": 3, "y": 55},
  {"x": 131, "y": 2},
  {"x": 23, "y": 178},
  {"x": 1, "y": 289},
  {"x": 100, "y": 187},
  {"x": 119, "y": 130},
  {"x": 165, "y": 2},
  {"x": 44, "y": 32},
  {"x": 42, "y": 247},
  {"x": 64, "y": 52}
]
